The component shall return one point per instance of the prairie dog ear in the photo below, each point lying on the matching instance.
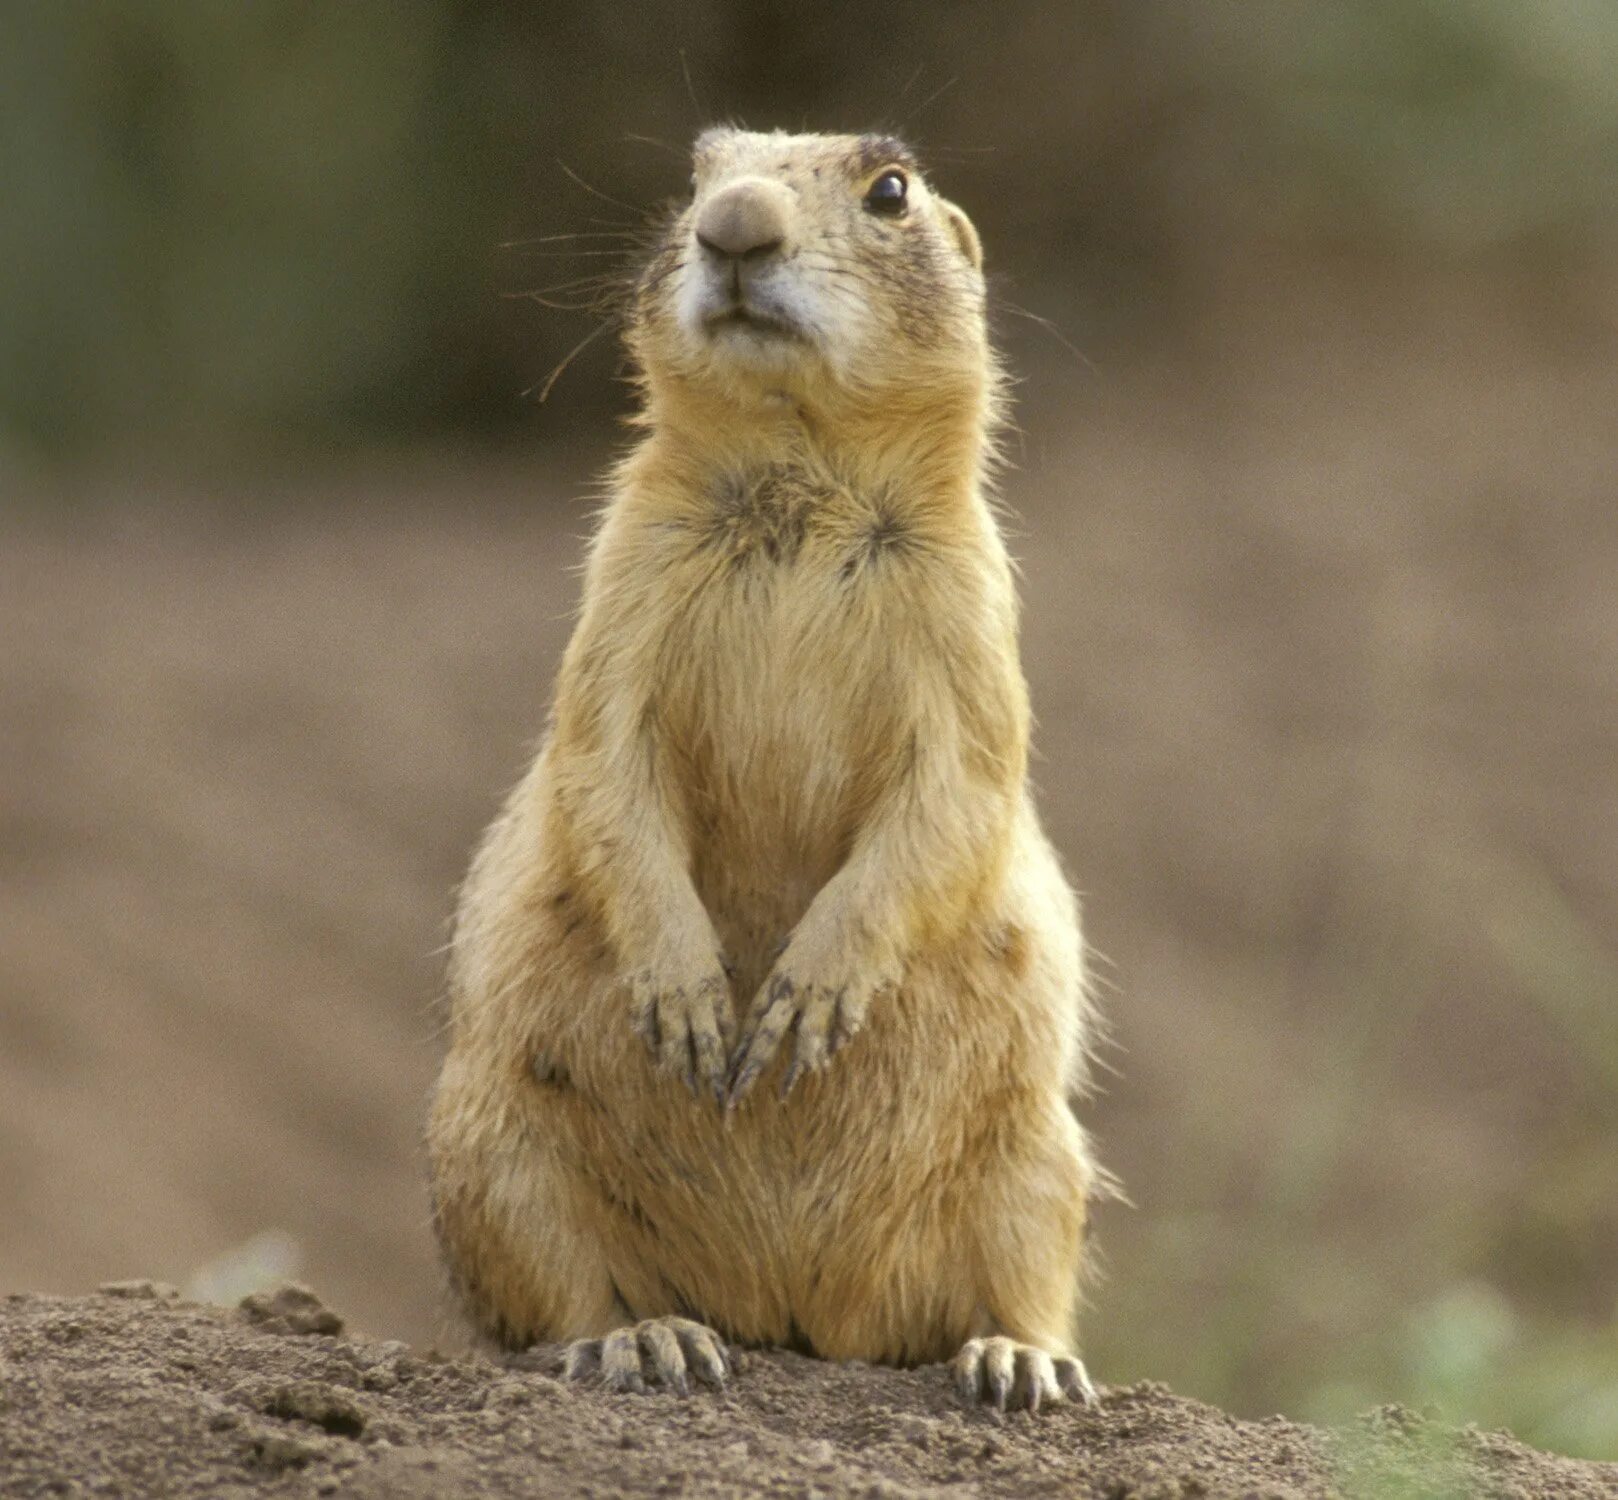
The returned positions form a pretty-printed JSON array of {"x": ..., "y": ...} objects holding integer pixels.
[{"x": 965, "y": 235}]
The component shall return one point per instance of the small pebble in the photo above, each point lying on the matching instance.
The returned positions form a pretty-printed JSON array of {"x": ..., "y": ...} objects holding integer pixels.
[{"x": 291, "y": 1309}]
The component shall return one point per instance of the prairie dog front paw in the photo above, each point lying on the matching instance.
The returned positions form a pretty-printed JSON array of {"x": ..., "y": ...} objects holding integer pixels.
[
  {"x": 818, "y": 994},
  {"x": 685, "y": 1021}
]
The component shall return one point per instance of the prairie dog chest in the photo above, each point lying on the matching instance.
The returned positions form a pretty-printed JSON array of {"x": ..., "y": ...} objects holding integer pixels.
[
  {"x": 790, "y": 590},
  {"x": 793, "y": 605}
]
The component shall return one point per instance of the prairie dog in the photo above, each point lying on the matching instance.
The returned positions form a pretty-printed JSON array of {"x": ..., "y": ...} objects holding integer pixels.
[{"x": 768, "y": 996}]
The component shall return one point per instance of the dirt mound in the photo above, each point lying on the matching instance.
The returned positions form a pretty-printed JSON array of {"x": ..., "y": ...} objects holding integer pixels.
[{"x": 135, "y": 1393}]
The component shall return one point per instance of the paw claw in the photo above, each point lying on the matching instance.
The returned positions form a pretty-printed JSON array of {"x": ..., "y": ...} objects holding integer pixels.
[
  {"x": 583, "y": 1360},
  {"x": 793, "y": 1074},
  {"x": 704, "y": 1354},
  {"x": 1075, "y": 1381}
]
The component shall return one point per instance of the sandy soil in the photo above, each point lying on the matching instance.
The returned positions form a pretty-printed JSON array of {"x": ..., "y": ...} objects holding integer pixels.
[{"x": 132, "y": 1393}]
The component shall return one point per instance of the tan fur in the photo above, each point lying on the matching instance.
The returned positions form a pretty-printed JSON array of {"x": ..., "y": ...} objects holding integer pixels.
[{"x": 791, "y": 712}]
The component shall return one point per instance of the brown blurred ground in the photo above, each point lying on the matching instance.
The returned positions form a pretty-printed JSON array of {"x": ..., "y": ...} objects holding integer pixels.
[{"x": 1322, "y": 628}]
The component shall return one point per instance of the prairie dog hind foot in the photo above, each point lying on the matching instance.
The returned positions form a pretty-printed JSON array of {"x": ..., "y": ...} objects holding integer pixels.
[
  {"x": 1005, "y": 1373},
  {"x": 663, "y": 1352}
]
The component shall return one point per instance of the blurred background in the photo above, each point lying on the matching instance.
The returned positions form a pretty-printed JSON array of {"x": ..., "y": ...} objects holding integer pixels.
[{"x": 1316, "y": 313}]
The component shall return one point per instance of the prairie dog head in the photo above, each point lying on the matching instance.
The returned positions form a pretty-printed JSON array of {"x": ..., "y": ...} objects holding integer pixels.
[{"x": 804, "y": 262}]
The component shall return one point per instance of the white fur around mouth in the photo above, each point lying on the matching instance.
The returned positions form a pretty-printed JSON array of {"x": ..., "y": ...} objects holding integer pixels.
[{"x": 741, "y": 319}]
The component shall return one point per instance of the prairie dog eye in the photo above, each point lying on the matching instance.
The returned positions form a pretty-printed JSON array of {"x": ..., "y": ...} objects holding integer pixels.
[{"x": 887, "y": 194}]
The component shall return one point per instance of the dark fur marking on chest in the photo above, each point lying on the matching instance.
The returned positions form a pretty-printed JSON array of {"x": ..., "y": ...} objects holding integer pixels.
[
  {"x": 550, "y": 1073},
  {"x": 770, "y": 515},
  {"x": 758, "y": 515},
  {"x": 889, "y": 536}
]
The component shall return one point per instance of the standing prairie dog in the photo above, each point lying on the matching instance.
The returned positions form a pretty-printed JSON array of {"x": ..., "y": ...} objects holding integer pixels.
[{"x": 768, "y": 996}]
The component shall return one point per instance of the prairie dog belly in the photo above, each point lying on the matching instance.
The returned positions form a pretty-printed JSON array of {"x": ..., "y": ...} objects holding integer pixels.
[{"x": 779, "y": 761}]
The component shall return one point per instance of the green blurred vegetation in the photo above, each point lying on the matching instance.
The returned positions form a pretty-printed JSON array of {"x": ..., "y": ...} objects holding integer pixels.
[
  {"x": 1442, "y": 127},
  {"x": 279, "y": 224},
  {"x": 246, "y": 219},
  {"x": 1345, "y": 1331}
]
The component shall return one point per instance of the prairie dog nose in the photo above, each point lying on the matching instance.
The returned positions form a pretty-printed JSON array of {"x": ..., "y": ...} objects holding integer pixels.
[{"x": 747, "y": 218}]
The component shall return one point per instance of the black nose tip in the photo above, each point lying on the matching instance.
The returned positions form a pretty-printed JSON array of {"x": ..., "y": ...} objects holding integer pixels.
[{"x": 759, "y": 251}]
